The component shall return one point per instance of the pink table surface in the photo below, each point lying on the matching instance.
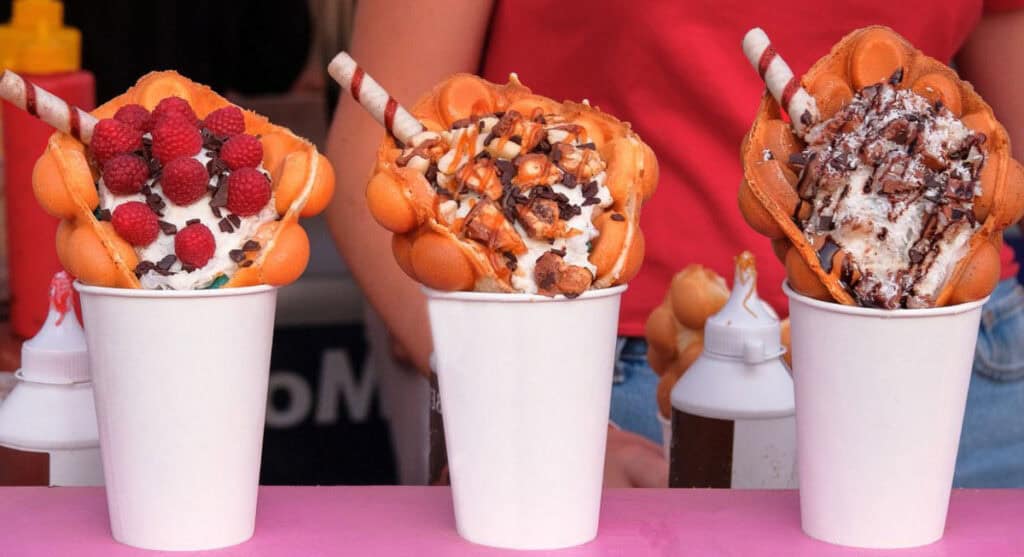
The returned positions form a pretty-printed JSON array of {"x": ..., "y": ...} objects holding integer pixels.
[{"x": 392, "y": 521}]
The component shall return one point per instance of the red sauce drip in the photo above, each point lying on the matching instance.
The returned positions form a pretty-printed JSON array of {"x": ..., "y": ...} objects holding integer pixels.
[
  {"x": 30, "y": 98},
  {"x": 60, "y": 294},
  {"x": 767, "y": 56}
]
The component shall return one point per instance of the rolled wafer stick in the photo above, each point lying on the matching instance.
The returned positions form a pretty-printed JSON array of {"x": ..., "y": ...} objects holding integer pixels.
[
  {"x": 46, "y": 106},
  {"x": 783, "y": 85},
  {"x": 385, "y": 109}
]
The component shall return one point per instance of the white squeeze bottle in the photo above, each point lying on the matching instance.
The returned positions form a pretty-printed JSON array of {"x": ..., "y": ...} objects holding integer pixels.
[
  {"x": 50, "y": 410},
  {"x": 733, "y": 420}
]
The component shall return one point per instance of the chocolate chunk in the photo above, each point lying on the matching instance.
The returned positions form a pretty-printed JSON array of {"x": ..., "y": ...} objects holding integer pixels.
[
  {"x": 896, "y": 77},
  {"x": 185, "y": 267},
  {"x": 216, "y": 166},
  {"x": 220, "y": 197},
  {"x": 167, "y": 228},
  {"x": 165, "y": 263},
  {"x": 798, "y": 159},
  {"x": 590, "y": 189},
  {"x": 590, "y": 201},
  {"x": 431, "y": 174},
  {"x": 825, "y": 223},
  {"x": 236, "y": 255},
  {"x": 251, "y": 245},
  {"x": 510, "y": 260},
  {"x": 144, "y": 267},
  {"x": 569, "y": 180},
  {"x": 505, "y": 168},
  {"x": 517, "y": 139},
  {"x": 235, "y": 220},
  {"x": 216, "y": 212},
  {"x": 103, "y": 214},
  {"x": 617, "y": 217},
  {"x": 192, "y": 221},
  {"x": 462, "y": 123},
  {"x": 225, "y": 226},
  {"x": 543, "y": 146}
]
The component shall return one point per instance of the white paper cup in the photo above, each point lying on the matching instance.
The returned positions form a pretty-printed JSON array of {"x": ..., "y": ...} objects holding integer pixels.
[
  {"x": 180, "y": 382},
  {"x": 525, "y": 385},
  {"x": 880, "y": 399}
]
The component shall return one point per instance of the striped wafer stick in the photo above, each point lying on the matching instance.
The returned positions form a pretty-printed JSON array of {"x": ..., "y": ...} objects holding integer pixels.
[
  {"x": 46, "y": 106},
  {"x": 779, "y": 79},
  {"x": 386, "y": 110}
]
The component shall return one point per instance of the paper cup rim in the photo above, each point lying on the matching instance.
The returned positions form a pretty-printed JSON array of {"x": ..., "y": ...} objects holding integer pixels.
[
  {"x": 834, "y": 307},
  {"x": 170, "y": 294},
  {"x": 517, "y": 297}
]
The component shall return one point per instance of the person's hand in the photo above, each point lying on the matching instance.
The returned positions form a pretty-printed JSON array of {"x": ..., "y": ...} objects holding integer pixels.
[{"x": 633, "y": 461}]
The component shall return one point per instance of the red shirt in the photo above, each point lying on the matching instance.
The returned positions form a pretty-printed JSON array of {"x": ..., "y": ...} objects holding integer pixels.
[{"x": 675, "y": 70}]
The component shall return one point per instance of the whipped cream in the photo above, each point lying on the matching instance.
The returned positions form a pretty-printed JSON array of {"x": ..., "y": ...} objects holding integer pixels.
[{"x": 220, "y": 264}]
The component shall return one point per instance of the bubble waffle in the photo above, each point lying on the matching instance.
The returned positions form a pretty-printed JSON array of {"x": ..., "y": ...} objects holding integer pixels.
[
  {"x": 675, "y": 329},
  {"x": 495, "y": 194},
  {"x": 65, "y": 183},
  {"x": 949, "y": 251}
]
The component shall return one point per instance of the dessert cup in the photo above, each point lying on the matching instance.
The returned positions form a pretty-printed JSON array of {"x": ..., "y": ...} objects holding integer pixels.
[
  {"x": 525, "y": 383},
  {"x": 880, "y": 399},
  {"x": 181, "y": 388}
]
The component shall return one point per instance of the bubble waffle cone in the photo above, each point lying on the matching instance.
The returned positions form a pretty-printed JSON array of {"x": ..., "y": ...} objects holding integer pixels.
[
  {"x": 66, "y": 186},
  {"x": 675, "y": 329},
  {"x": 769, "y": 198},
  {"x": 438, "y": 251}
]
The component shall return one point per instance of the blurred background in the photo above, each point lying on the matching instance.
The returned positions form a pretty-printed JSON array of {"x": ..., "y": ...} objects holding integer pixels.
[{"x": 329, "y": 396}]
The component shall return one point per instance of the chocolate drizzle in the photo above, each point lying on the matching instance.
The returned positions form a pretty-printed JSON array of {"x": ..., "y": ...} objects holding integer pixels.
[{"x": 905, "y": 152}]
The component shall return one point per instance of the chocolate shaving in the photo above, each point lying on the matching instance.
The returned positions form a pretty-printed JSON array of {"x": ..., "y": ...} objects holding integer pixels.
[
  {"x": 589, "y": 145},
  {"x": 236, "y": 255},
  {"x": 165, "y": 263},
  {"x": 225, "y": 226},
  {"x": 216, "y": 166},
  {"x": 144, "y": 267},
  {"x": 185, "y": 267},
  {"x": 590, "y": 201},
  {"x": 896, "y": 76},
  {"x": 617, "y": 217},
  {"x": 167, "y": 228},
  {"x": 235, "y": 220},
  {"x": 220, "y": 196},
  {"x": 251, "y": 245},
  {"x": 246, "y": 263},
  {"x": 190, "y": 222},
  {"x": 103, "y": 215}
]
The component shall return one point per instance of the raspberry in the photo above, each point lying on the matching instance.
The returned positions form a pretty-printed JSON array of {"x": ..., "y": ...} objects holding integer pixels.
[
  {"x": 242, "y": 151},
  {"x": 136, "y": 116},
  {"x": 225, "y": 121},
  {"x": 194, "y": 245},
  {"x": 248, "y": 191},
  {"x": 174, "y": 106},
  {"x": 184, "y": 181},
  {"x": 111, "y": 137},
  {"x": 174, "y": 137},
  {"x": 125, "y": 174},
  {"x": 136, "y": 223}
]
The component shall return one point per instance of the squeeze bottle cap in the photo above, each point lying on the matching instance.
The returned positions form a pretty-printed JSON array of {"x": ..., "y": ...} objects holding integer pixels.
[
  {"x": 36, "y": 40},
  {"x": 58, "y": 353},
  {"x": 746, "y": 327}
]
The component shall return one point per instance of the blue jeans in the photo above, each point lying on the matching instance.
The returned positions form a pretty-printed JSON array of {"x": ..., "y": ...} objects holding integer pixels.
[{"x": 992, "y": 442}]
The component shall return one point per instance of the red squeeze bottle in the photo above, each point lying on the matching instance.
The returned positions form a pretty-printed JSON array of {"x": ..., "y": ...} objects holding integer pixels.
[{"x": 38, "y": 46}]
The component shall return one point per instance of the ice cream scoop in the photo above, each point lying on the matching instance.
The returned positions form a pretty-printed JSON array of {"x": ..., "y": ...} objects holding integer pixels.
[
  {"x": 493, "y": 188},
  {"x": 896, "y": 194}
]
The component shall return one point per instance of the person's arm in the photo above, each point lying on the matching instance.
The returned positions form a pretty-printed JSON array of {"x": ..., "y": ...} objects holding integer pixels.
[
  {"x": 407, "y": 46},
  {"x": 993, "y": 61}
]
